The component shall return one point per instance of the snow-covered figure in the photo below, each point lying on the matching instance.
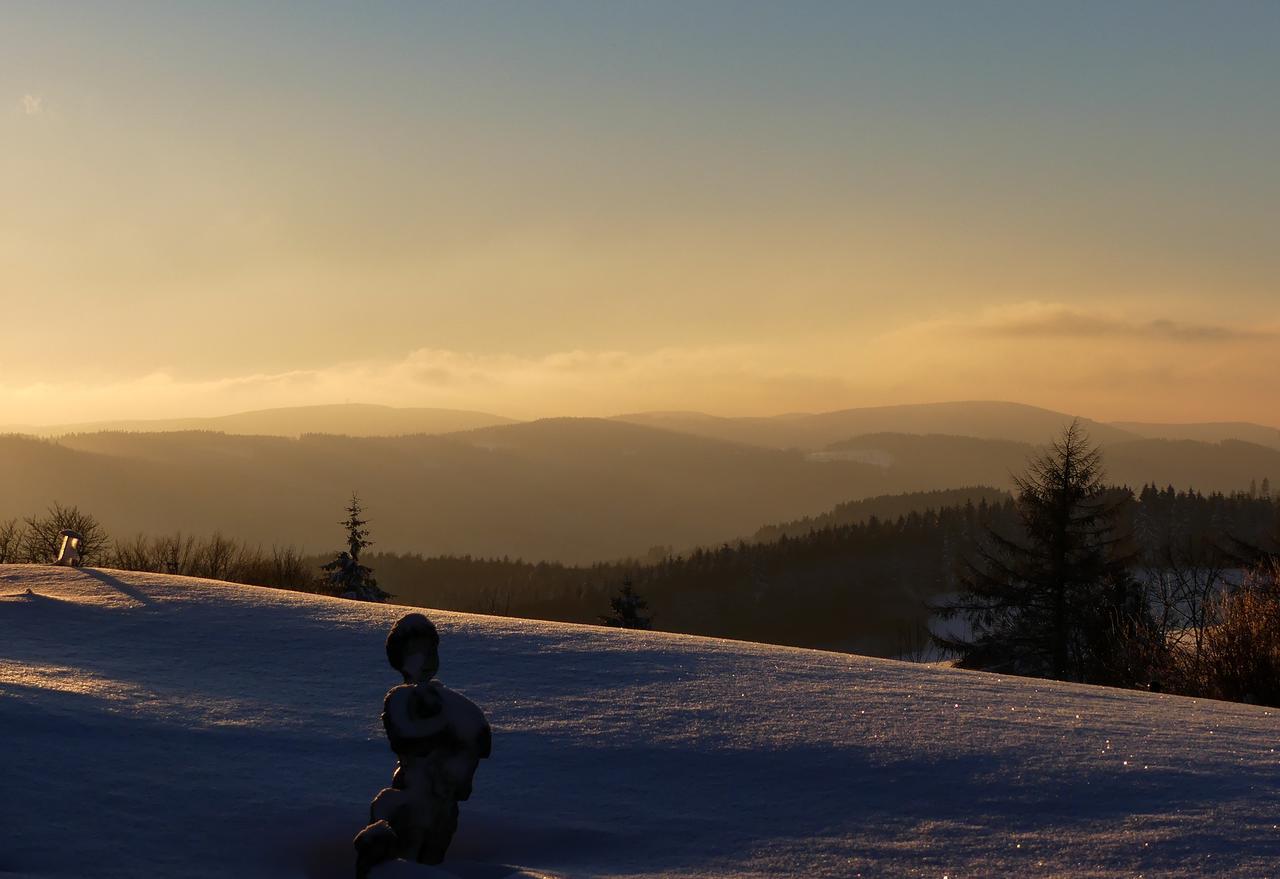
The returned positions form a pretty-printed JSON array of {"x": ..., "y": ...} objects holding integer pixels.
[
  {"x": 375, "y": 844},
  {"x": 69, "y": 551},
  {"x": 413, "y": 648},
  {"x": 440, "y": 737}
]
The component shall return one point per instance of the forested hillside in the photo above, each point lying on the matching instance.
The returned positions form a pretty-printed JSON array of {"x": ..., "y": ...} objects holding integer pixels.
[
  {"x": 567, "y": 490},
  {"x": 863, "y": 586}
]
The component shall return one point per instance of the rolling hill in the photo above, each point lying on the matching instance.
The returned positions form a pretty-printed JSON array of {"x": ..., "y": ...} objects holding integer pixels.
[
  {"x": 1209, "y": 432},
  {"x": 978, "y": 419},
  {"x": 993, "y": 420},
  {"x": 981, "y": 419},
  {"x": 883, "y": 507},
  {"x": 921, "y": 463},
  {"x": 564, "y": 489},
  {"x": 572, "y": 490},
  {"x": 345, "y": 419}
]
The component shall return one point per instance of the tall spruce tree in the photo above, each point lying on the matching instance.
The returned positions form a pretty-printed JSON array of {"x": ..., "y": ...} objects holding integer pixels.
[
  {"x": 1056, "y": 600},
  {"x": 345, "y": 575}
]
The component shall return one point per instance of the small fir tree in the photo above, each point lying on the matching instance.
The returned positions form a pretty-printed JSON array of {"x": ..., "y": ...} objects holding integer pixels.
[
  {"x": 628, "y": 610},
  {"x": 345, "y": 576}
]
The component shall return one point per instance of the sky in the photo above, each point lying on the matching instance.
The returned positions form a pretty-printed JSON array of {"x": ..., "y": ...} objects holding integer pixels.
[{"x": 592, "y": 208}]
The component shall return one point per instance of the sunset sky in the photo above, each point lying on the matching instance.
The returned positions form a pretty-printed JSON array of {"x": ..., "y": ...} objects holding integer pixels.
[{"x": 541, "y": 208}]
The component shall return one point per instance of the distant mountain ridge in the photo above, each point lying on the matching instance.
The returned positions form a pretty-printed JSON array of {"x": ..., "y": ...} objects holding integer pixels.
[
  {"x": 570, "y": 489},
  {"x": 982, "y": 419},
  {"x": 344, "y": 419},
  {"x": 1206, "y": 432},
  {"x": 559, "y": 489}
]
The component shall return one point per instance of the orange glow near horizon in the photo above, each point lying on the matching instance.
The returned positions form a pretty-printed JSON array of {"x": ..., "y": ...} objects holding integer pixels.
[{"x": 576, "y": 211}]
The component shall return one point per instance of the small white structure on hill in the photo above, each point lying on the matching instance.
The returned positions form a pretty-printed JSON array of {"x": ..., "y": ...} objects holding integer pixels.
[{"x": 69, "y": 551}]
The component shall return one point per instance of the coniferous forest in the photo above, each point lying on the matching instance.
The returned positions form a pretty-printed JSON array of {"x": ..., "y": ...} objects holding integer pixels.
[
  {"x": 866, "y": 585},
  {"x": 867, "y": 576}
]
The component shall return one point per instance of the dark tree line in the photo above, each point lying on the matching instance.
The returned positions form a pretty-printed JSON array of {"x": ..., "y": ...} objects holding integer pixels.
[
  {"x": 842, "y": 587},
  {"x": 859, "y": 585},
  {"x": 35, "y": 540}
]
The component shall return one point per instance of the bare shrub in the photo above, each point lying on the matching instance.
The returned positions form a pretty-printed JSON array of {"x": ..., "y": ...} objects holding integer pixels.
[
  {"x": 11, "y": 541},
  {"x": 1242, "y": 649},
  {"x": 217, "y": 557},
  {"x": 282, "y": 568},
  {"x": 40, "y": 538},
  {"x": 175, "y": 554},
  {"x": 493, "y": 601},
  {"x": 913, "y": 642},
  {"x": 214, "y": 558}
]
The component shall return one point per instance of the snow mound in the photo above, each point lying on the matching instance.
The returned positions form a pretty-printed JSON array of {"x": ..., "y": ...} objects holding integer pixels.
[{"x": 165, "y": 726}]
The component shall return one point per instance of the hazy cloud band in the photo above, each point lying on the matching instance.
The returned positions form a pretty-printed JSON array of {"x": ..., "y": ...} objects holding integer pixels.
[{"x": 1110, "y": 366}]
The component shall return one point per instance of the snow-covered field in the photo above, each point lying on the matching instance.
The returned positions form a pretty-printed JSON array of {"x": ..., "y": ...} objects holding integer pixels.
[{"x": 158, "y": 726}]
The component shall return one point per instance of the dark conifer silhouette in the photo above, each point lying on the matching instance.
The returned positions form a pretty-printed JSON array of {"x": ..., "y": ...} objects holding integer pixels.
[
  {"x": 1057, "y": 600},
  {"x": 628, "y": 609},
  {"x": 346, "y": 576}
]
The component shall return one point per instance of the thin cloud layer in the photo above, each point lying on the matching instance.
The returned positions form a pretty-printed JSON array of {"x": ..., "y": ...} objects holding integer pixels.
[
  {"x": 1106, "y": 365},
  {"x": 563, "y": 383},
  {"x": 1037, "y": 320}
]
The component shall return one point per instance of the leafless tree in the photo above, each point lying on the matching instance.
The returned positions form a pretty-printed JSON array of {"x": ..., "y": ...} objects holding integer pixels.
[
  {"x": 41, "y": 536},
  {"x": 11, "y": 541}
]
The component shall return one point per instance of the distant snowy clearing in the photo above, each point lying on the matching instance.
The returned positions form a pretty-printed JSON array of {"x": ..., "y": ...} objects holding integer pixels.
[{"x": 171, "y": 727}]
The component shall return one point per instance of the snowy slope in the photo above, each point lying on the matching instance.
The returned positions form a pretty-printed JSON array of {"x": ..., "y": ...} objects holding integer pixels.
[{"x": 166, "y": 727}]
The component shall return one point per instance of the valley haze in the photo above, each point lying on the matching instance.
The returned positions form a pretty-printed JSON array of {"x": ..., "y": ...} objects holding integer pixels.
[{"x": 575, "y": 490}]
